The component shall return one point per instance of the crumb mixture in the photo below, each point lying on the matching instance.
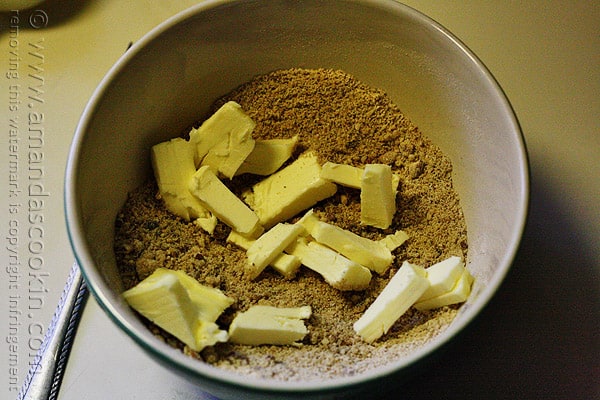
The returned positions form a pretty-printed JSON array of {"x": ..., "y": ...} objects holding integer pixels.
[{"x": 345, "y": 122}]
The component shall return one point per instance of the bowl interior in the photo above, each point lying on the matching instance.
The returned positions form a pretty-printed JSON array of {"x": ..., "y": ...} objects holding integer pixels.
[{"x": 170, "y": 77}]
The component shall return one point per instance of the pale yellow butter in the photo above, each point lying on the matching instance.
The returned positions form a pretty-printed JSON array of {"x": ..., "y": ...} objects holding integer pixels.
[
  {"x": 223, "y": 203},
  {"x": 268, "y": 156},
  {"x": 165, "y": 300},
  {"x": 443, "y": 276},
  {"x": 349, "y": 175},
  {"x": 226, "y": 157},
  {"x": 377, "y": 199},
  {"x": 342, "y": 174},
  {"x": 229, "y": 121},
  {"x": 207, "y": 223},
  {"x": 371, "y": 254},
  {"x": 458, "y": 294},
  {"x": 286, "y": 264},
  {"x": 269, "y": 325},
  {"x": 395, "y": 240},
  {"x": 289, "y": 191},
  {"x": 173, "y": 165},
  {"x": 269, "y": 246},
  {"x": 375, "y": 255},
  {"x": 308, "y": 222},
  {"x": 337, "y": 270},
  {"x": 405, "y": 287},
  {"x": 210, "y": 302}
]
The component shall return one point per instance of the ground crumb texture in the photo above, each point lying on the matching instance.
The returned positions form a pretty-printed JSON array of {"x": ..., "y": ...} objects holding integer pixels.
[{"x": 347, "y": 122}]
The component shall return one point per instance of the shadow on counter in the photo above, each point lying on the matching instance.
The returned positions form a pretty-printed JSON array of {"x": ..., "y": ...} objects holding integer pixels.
[
  {"x": 45, "y": 15},
  {"x": 539, "y": 337}
]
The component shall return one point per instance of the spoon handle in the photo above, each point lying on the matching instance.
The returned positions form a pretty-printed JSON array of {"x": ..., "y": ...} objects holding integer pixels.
[{"x": 47, "y": 369}]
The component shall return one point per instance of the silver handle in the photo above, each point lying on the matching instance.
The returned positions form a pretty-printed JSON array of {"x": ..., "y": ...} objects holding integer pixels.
[{"x": 47, "y": 369}]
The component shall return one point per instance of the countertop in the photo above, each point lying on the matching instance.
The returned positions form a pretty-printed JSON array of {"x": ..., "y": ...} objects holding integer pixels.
[{"x": 538, "y": 338}]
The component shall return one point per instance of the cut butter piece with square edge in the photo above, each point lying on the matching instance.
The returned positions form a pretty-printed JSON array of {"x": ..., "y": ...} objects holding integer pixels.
[
  {"x": 338, "y": 271},
  {"x": 229, "y": 120},
  {"x": 164, "y": 300},
  {"x": 371, "y": 254},
  {"x": 287, "y": 265},
  {"x": 269, "y": 246},
  {"x": 228, "y": 208},
  {"x": 173, "y": 166},
  {"x": 377, "y": 199},
  {"x": 458, "y": 294},
  {"x": 342, "y": 174},
  {"x": 405, "y": 287},
  {"x": 349, "y": 175},
  {"x": 443, "y": 276},
  {"x": 268, "y": 156},
  {"x": 210, "y": 301},
  {"x": 269, "y": 325},
  {"x": 289, "y": 191}
]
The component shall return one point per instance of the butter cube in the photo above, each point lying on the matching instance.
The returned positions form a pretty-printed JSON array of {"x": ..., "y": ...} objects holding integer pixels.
[
  {"x": 443, "y": 276},
  {"x": 289, "y": 191},
  {"x": 228, "y": 208},
  {"x": 269, "y": 325},
  {"x": 337, "y": 270},
  {"x": 287, "y": 265},
  {"x": 269, "y": 246},
  {"x": 173, "y": 165},
  {"x": 459, "y": 293},
  {"x": 164, "y": 300},
  {"x": 377, "y": 199},
  {"x": 371, "y": 254},
  {"x": 405, "y": 287},
  {"x": 349, "y": 175},
  {"x": 268, "y": 156},
  {"x": 229, "y": 121}
]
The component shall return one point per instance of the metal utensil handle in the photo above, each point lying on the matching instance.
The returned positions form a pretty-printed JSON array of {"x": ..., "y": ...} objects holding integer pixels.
[{"x": 46, "y": 371}]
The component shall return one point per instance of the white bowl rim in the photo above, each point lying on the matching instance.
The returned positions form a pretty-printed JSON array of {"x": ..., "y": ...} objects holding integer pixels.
[{"x": 194, "y": 367}]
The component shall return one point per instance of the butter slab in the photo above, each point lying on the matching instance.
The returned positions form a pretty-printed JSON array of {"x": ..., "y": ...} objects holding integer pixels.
[
  {"x": 173, "y": 166},
  {"x": 371, "y": 254},
  {"x": 459, "y": 294},
  {"x": 268, "y": 156},
  {"x": 443, "y": 276},
  {"x": 401, "y": 292},
  {"x": 286, "y": 264},
  {"x": 210, "y": 301},
  {"x": 349, "y": 175},
  {"x": 269, "y": 246},
  {"x": 227, "y": 207},
  {"x": 289, "y": 191},
  {"x": 377, "y": 199},
  {"x": 228, "y": 120},
  {"x": 269, "y": 325},
  {"x": 337, "y": 270},
  {"x": 163, "y": 299}
]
